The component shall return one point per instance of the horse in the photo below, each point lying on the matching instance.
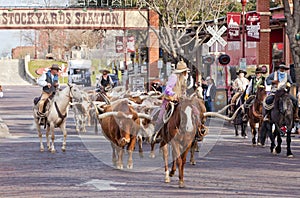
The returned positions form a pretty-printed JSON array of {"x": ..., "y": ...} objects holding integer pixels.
[
  {"x": 56, "y": 115},
  {"x": 180, "y": 132},
  {"x": 239, "y": 119},
  {"x": 254, "y": 113},
  {"x": 280, "y": 115}
]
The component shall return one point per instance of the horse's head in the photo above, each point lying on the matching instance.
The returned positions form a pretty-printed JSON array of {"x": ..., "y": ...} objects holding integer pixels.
[
  {"x": 75, "y": 92},
  {"x": 261, "y": 93}
]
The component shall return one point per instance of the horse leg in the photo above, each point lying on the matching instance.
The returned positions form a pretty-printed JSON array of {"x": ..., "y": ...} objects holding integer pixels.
[
  {"x": 243, "y": 128},
  {"x": 64, "y": 130},
  {"x": 192, "y": 150},
  {"x": 140, "y": 143},
  {"x": 288, "y": 144},
  {"x": 173, "y": 170},
  {"x": 259, "y": 134},
  {"x": 263, "y": 131},
  {"x": 279, "y": 141},
  {"x": 52, "y": 138},
  {"x": 40, "y": 135},
  {"x": 47, "y": 137},
  {"x": 165, "y": 157},
  {"x": 253, "y": 131},
  {"x": 272, "y": 138},
  {"x": 236, "y": 130},
  {"x": 181, "y": 160}
]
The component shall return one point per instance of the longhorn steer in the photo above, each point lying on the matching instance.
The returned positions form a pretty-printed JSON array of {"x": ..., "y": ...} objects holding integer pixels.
[{"x": 120, "y": 123}]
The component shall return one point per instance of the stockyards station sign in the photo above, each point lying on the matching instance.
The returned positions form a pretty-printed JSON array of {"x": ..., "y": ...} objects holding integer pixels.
[{"x": 72, "y": 19}]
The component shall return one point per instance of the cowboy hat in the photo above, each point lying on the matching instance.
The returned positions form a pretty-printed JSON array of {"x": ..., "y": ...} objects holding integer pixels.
[
  {"x": 181, "y": 67},
  {"x": 55, "y": 66},
  {"x": 259, "y": 70},
  {"x": 104, "y": 70},
  {"x": 241, "y": 71},
  {"x": 283, "y": 66},
  {"x": 208, "y": 78}
]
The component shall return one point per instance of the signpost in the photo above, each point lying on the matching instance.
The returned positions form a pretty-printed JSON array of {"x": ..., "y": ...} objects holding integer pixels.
[{"x": 216, "y": 35}]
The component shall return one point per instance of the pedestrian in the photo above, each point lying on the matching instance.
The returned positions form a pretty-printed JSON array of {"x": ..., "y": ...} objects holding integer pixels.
[
  {"x": 1, "y": 92},
  {"x": 87, "y": 78},
  {"x": 49, "y": 82},
  {"x": 210, "y": 94},
  {"x": 105, "y": 82},
  {"x": 175, "y": 89}
]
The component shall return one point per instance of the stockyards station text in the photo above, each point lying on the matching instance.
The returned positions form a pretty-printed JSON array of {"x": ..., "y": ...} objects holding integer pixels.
[{"x": 69, "y": 18}]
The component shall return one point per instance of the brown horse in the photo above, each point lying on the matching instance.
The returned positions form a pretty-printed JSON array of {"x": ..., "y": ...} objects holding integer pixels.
[
  {"x": 255, "y": 113},
  {"x": 180, "y": 132}
]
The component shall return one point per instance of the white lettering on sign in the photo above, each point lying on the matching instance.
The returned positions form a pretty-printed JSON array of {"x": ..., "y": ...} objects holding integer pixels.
[{"x": 216, "y": 36}]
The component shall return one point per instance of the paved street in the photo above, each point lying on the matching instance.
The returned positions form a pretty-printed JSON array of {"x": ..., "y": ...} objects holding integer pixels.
[{"x": 227, "y": 166}]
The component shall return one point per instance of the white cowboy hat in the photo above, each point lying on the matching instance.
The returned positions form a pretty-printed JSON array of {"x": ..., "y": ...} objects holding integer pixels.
[{"x": 181, "y": 67}]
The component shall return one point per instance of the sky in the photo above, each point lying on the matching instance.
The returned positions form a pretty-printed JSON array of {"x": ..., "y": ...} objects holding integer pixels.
[{"x": 11, "y": 38}]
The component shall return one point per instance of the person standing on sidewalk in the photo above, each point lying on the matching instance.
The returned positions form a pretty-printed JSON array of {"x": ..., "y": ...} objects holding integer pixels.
[{"x": 210, "y": 94}]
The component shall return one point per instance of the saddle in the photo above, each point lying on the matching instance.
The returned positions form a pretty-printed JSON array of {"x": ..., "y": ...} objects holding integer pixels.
[{"x": 169, "y": 110}]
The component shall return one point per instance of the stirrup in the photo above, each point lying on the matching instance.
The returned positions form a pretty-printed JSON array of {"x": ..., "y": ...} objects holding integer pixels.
[{"x": 41, "y": 114}]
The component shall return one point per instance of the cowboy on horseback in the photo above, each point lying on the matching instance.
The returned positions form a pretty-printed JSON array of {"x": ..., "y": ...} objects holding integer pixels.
[
  {"x": 280, "y": 80},
  {"x": 239, "y": 86},
  {"x": 49, "y": 82},
  {"x": 175, "y": 89},
  {"x": 104, "y": 82}
]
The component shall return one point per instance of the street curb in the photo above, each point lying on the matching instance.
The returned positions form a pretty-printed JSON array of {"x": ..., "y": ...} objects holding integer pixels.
[{"x": 4, "y": 131}]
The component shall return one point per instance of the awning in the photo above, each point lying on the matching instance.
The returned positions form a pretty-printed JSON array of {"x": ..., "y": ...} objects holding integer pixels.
[{"x": 278, "y": 16}]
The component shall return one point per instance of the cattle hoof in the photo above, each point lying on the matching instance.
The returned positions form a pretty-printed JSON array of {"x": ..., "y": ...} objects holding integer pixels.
[
  {"x": 42, "y": 148},
  {"x": 193, "y": 163},
  {"x": 120, "y": 167},
  {"x": 181, "y": 184},
  {"x": 152, "y": 155},
  {"x": 63, "y": 149},
  {"x": 53, "y": 150}
]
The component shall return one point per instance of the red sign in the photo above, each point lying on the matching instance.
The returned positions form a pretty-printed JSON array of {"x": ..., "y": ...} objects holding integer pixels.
[
  {"x": 233, "y": 26},
  {"x": 253, "y": 27}
]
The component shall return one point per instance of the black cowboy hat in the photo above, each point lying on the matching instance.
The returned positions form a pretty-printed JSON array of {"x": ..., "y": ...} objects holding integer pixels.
[
  {"x": 104, "y": 70},
  {"x": 283, "y": 66},
  {"x": 259, "y": 70},
  {"x": 55, "y": 66},
  {"x": 241, "y": 71}
]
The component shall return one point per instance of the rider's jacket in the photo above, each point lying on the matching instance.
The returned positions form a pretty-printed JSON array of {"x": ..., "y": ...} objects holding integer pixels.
[
  {"x": 48, "y": 78},
  {"x": 282, "y": 78},
  {"x": 254, "y": 83},
  {"x": 240, "y": 84}
]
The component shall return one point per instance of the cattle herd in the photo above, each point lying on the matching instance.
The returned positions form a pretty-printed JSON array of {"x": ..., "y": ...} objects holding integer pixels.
[{"x": 127, "y": 120}]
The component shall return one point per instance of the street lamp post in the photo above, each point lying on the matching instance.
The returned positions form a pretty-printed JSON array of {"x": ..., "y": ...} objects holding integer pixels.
[{"x": 244, "y": 2}]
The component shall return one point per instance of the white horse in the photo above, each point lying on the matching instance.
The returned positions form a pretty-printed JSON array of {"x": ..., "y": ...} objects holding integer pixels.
[{"x": 56, "y": 115}]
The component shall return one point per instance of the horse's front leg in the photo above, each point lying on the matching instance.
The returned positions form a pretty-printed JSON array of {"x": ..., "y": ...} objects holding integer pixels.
[
  {"x": 164, "y": 148},
  {"x": 38, "y": 127},
  {"x": 52, "y": 138},
  {"x": 173, "y": 169},
  {"x": 181, "y": 160},
  {"x": 288, "y": 144},
  {"x": 193, "y": 150},
  {"x": 64, "y": 130},
  {"x": 279, "y": 141},
  {"x": 47, "y": 137}
]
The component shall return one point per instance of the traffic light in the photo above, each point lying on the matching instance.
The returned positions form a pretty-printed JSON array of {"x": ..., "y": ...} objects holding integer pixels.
[
  {"x": 224, "y": 59},
  {"x": 208, "y": 59}
]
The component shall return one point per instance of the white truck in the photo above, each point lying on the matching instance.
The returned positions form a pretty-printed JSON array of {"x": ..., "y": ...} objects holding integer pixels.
[{"x": 79, "y": 72}]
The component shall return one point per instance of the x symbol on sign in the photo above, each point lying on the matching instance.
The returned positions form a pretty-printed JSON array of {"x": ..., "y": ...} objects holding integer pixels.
[{"x": 216, "y": 36}]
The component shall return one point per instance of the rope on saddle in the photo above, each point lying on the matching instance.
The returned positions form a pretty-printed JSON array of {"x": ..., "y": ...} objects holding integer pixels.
[
  {"x": 249, "y": 101},
  {"x": 268, "y": 106}
]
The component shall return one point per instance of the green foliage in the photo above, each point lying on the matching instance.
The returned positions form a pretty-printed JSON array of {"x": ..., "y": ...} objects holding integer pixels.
[{"x": 34, "y": 65}]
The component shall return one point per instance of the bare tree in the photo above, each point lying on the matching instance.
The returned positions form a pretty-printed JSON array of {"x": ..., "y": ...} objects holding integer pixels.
[
  {"x": 182, "y": 22},
  {"x": 293, "y": 27}
]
